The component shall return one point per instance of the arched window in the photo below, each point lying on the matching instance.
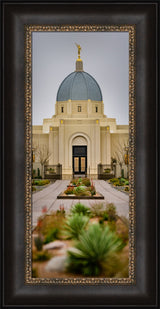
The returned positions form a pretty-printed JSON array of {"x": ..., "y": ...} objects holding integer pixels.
[
  {"x": 96, "y": 109},
  {"x": 79, "y": 108},
  {"x": 62, "y": 109}
]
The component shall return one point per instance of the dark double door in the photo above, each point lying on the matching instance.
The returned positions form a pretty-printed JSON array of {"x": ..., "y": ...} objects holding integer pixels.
[{"x": 79, "y": 159}]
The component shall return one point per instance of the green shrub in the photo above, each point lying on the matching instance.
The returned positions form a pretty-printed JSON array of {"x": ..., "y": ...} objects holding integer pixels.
[
  {"x": 122, "y": 173},
  {"x": 122, "y": 229},
  {"x": 81, "y": 191},
  {"x": 112, "y": 225},
  {"x": 86, "y": 182},
  {"x": 124, "y": 235},
  {"x": 38, "y": 243},
  {"x": 33, "y": 188},
  {"x": 123, "y": 180},
  {"x": 107, "y": 170},
  {"x": 117, "y": 267},
  {"x": 61, "y": 211},
  {"x": 84, "y": 193},
  {"x": 92, "y": 189},
  {"x": 34, "y": 272},
  {"x": 35, "y": 182},
  {"x": 52, "y": 235},
  {"x": 105, "y": 216},
  {"x": 101, "y": 221},
  {"x": 112, "y": 180},
  {"x": 51, "y": 170},
  {"x": 97, "y": 209},
  {"x": 69, "y": 190},
  {"x": 126, "y": 183},
  {"x": 111, "y": 211},
  {"x": 74, "y": 181},
  {"x": 49, "y": 222},
  {"x": 75, "y": 225},
  {"x": 41, "y": 256},
  {"x": 40, "y": 182},
  {"x": 93, "y": 250},
  {"x": 126, "y": 189},
  {"x": 118, "y": 184},
  {"x": 80, "y": 209}
]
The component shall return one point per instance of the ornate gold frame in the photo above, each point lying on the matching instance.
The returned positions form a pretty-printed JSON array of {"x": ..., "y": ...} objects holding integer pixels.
[{"x": 28, "y": 148}]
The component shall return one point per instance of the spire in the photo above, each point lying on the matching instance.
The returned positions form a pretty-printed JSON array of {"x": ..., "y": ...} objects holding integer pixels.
[{"x": 79, "y": 62}]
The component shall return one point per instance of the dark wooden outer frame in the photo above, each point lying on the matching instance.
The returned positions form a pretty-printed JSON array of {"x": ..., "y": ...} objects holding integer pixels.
[{"x": 15, "y": 16}]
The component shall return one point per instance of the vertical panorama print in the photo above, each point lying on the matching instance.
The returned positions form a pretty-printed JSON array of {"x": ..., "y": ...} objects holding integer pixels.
[{"x": 80, "y": 155}]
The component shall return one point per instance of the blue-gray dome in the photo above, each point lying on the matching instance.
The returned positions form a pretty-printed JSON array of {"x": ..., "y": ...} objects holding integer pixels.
[{"x": 79, "y": 86}]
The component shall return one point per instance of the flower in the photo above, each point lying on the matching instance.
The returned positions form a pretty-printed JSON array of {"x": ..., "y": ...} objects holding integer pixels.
[
  {"x": 44, "y": 209},
  {"x": 61, "y": 207}
]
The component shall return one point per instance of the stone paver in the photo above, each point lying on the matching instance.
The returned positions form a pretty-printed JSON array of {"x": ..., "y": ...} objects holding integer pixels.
[{"x": 48, "y": 197}]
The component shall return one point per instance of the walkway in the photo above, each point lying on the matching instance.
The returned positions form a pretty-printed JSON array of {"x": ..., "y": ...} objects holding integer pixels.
[{"x": 48, "y": 197}]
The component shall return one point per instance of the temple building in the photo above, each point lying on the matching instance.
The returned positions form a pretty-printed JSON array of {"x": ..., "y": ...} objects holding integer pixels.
[{"x": 79, "y": 136}]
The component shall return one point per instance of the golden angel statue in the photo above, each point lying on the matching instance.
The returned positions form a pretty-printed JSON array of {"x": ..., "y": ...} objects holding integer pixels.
[{"x": 79, "y": 50}]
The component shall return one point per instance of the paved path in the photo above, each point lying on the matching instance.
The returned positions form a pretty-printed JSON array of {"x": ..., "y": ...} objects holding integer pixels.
[{"x": 48, "y": 197}]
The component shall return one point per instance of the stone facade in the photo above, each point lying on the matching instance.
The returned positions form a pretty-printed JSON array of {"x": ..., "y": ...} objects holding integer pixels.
[
  {"x": 102, "y": 136},
  {"x": 80, "y": 122}
]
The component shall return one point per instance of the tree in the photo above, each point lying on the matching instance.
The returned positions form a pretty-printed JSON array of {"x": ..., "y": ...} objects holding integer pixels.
[
  {"x": 43, "y": 155},
  {"x": 120, "y": 153}
]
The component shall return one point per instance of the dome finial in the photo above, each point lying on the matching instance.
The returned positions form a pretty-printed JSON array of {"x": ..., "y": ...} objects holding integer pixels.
[
  {"x": 79, "y": 50},
  {"x": 79, "y": 62}
]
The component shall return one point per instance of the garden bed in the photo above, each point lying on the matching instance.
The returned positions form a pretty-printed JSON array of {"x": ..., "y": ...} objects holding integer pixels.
[
  {"x": 120, "y": 184},
  {"x": 80, "y": 188},
  {"x": 80, "y": 197},
  {"x": 60, "y": 240},
  {"x": 39, "y": 184}
]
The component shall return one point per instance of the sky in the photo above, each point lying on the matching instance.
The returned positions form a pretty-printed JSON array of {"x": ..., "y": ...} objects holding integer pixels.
[{"x": 105, "y": 56}]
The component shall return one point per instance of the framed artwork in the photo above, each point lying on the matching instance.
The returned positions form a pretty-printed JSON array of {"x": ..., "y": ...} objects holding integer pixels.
[
  {"x": 80, "y": 221},
  {"x": 81, "y": 141}
]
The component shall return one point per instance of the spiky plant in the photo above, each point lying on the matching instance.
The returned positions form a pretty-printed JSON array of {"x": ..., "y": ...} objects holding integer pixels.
[
  {"x": 80, "y": 209},
  {"x": 75, "y": 225},
  {"x": 95, "y": 247}
]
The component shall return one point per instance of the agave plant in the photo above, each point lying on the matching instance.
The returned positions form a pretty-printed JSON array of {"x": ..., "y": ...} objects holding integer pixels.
[
  {"x": 80, "y": 209},
  {"x": 95, "y": 248},
  {"x": 75, "y": 225}
]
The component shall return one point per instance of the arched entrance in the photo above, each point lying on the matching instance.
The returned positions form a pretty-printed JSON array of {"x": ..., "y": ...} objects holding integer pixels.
[{"x": 79, "y": 155}]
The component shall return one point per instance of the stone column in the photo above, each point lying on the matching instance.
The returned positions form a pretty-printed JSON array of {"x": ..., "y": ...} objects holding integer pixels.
[
  {"x": 108, "y": 135},
  {"x": 103, "y": 145},
  {"x": 118, "y": 171},
  {"x": 51, "y": 146},
  {"x": 69, "y": 107},
  {"x": 89, "y": 107},
  {"x": 97, "y": 143},
  {"x": 61, "y": 143},
  {"x": 56, "y": 145}
]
